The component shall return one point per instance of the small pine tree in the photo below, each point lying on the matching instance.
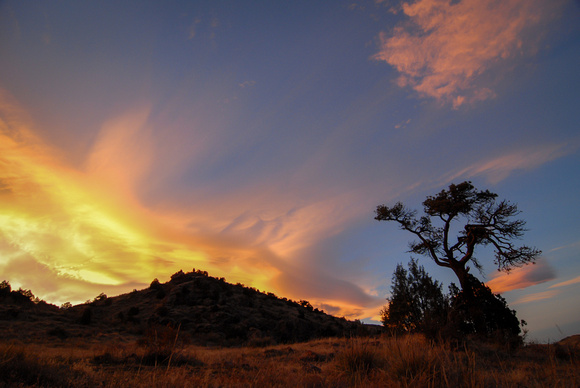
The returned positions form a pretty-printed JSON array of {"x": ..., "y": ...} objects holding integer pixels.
[{"x": 416, "y": 304}]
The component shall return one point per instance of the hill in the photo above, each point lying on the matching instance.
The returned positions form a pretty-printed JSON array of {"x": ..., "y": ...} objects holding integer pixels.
[
  {"x": 203, "y": 309},
  {"x": 572, "y": 341}
]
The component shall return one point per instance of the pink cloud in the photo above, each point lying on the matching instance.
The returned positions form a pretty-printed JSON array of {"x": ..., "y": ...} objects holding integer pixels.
[
  {"x": 576, "y": 280},
  {"x": 536, "y": 297},
  {"x": 523, "y": 277},
  {"x": 499, "y": 168},
  {"x": 123, "y": 151},
  {"x": 443, "y": 46}
]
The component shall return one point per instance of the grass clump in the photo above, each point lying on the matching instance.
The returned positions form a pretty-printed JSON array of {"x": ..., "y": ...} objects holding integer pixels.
[{"x": 358, "y": 358}]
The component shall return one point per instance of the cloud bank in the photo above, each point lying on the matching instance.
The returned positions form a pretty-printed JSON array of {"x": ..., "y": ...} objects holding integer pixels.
[{"x": 443, "y": 46}]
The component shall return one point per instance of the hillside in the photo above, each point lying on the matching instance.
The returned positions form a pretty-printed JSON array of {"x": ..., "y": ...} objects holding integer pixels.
[
  {"x": 188, "y": 331},
  {"x": 205, "y": 310}
]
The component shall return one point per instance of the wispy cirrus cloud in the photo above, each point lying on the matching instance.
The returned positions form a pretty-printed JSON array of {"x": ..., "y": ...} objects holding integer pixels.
[
  {"x": 576, "y": 280},
  {"x": 575, "y": 244},
  {"x": 536, "y": 297},
  {"x": 523, "y": 277},
  {"x": 443, "y": 46},
  {"x": 500, "y": 167}
]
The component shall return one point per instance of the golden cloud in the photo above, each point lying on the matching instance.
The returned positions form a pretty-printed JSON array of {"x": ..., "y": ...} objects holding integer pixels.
[
  {"x": 69, "y": 233},
  {"x": 443, "y": 46}
]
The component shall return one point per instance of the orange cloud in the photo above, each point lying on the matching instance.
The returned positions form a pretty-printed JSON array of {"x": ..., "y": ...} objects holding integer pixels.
[
  {"x": 522, "y": 277},
  {"x": 444, "y": 45}
]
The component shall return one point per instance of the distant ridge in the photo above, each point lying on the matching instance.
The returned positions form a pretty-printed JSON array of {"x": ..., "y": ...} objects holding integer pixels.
[{"x": 206, "y": 311}]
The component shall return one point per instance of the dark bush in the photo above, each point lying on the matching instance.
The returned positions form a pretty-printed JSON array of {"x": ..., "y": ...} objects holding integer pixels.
[
  {"x": 484, "y": 314},
  {"x": 5, "y": 288},
  {"x": 22, "y": 297},
  {"x": 101, "y": 299},
  {"x": 155, "y": 285},
  {"x": 306, "y": 304}
]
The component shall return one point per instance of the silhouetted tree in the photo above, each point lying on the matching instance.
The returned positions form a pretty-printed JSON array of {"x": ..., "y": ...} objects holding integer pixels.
[
  {"x": 306, "y": 304},
  {"x": 155, "y": 284},
  {"x": 5, "y": 288},
  {"x": 485, "y": 222},
  {"x": 490, "y": 317},
  {"x": 416, "y": 304}
]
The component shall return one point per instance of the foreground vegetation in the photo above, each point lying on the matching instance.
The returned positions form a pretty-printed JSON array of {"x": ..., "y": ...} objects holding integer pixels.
[{"x": 162, "y": 360}]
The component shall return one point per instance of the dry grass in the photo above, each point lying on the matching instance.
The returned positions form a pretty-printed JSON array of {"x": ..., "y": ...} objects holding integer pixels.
[{"x": 395, "y": 362}]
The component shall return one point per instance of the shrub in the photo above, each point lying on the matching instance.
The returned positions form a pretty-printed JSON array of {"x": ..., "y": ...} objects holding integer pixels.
[
  {"x": 306, "y": 304},
  {"x": 5, "y": 288},
  {"x": 155, "y": 285},
  {"x": 101, "y": 299},
  {"x": 358, "y": 358},
  {"x": 21, "y": 296}
]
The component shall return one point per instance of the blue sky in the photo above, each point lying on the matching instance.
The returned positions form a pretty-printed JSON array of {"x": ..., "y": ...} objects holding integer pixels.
[{"x": 255, "y": 139}]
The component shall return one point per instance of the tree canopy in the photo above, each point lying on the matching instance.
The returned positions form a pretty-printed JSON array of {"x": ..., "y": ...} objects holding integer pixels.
[{"x": 484, "y": 220}]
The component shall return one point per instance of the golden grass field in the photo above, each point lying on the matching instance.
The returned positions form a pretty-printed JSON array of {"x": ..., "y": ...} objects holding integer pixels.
[{"x": 163, "y": 360}]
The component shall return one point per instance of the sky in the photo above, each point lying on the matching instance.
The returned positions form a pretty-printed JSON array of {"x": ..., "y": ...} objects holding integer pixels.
[{"x": 254, "y": 140}]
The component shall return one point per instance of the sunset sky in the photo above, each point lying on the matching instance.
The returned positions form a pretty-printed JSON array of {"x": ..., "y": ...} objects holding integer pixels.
[{"x": 254, "y": 139}]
